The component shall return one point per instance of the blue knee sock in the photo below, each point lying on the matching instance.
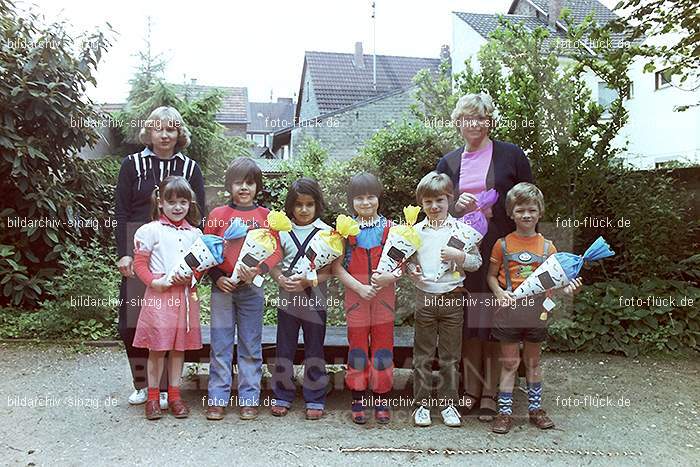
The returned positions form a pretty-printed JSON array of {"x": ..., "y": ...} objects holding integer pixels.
[
  {"x": 534, "y": 396},
  {"x": 505, "y": 403}
]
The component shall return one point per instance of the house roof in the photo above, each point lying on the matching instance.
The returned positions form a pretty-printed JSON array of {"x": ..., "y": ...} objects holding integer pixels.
[
  {"x": 270, "y": 166},
  {"x": 260, "y": 152},
  {"x": 268, "y": 117},
  {"x": 579, "y": 9},
  {"x": 338, "y": 82},
  {"x": 234, "y": 103},
  {"x": 485, "y": 24},
  {"x": 111, "y": 107}
]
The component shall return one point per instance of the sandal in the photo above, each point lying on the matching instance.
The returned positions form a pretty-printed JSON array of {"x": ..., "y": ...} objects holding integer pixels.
[
  {"x": 382, "y": 414},
  {"x": 358, "y": 412},
  {"x": 486, "y": 414},
  {"x": 279, "y": 411}
]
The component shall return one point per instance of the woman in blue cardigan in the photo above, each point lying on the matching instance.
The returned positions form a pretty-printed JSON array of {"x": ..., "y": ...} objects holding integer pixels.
[{"x": 482, "y": 164}]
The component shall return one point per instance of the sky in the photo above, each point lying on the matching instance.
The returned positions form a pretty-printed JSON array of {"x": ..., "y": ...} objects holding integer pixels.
[{"x": 255, "y": 44}]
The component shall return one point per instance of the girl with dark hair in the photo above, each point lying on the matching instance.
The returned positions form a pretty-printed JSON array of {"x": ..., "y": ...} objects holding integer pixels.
[{"x": 302, "y": 303}]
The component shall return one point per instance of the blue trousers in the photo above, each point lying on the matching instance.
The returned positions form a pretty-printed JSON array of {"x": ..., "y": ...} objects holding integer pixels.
[
  {"x": 242, "y": 312},
  {"x": 313, "y": 323}
]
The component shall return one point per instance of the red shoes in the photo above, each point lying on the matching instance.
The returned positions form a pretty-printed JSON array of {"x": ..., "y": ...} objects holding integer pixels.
[
  {"x": 179, "y": 409},
  {"x": 152, "y": 410}
]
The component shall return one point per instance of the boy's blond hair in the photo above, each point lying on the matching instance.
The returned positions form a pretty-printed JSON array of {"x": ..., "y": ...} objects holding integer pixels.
[
  {"x": 434, "y": 184},
  {"x": 523, "y": 193}
]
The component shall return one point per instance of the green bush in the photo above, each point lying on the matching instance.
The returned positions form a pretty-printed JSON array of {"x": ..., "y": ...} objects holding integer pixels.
[
  {"x": 603, "y": 321},
  {"x": 43, "y": 108},
  {"x": 84, "y": 299},
  {"x": 333, "y": 176},
  {"x": 402, "y": 154}
]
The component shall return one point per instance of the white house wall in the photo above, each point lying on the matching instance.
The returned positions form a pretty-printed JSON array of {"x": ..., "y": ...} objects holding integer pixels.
[
  {"x": 466, "y": 42},
  {"x": 655, "y": 133}
]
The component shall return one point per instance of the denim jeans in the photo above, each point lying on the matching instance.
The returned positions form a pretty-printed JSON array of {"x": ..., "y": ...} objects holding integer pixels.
[
  {"x": 242, "y": 312},
  {"x": 313, "y": 323}
]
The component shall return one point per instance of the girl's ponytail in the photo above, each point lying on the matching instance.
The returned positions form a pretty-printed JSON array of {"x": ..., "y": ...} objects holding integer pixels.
[{"x": 155, "y": 210}]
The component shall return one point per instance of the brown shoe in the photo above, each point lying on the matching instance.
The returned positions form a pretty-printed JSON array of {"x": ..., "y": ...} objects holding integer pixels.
[
  {"x": 152, "y": 410},
  {"x": 179, "y": 409},
  {"x": 502, "y": 424},
  {"x": 248, "y": 413},
  {"x": 279, "y": 411},
  {"x": 215, "y": 413},
  {"x": 314, "y": 414},
  {"x": 540, "y": 419}
]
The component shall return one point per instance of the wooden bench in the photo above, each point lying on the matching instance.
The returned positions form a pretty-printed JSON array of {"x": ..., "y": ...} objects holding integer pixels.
[{"x": 336, "y": 346}]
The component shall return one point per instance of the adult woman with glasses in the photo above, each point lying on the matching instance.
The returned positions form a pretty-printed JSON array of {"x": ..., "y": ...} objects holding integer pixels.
[{"x": 482, "y": 164}]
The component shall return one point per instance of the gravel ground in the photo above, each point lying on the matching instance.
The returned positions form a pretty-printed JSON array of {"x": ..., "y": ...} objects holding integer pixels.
[{"x": 647, "y": 406}]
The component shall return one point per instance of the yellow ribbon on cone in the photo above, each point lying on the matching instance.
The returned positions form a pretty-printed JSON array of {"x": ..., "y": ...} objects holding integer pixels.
[
  {"x": 344, "y": 227},
  {"x": 406, "y": 230},
  {"x": 264, "y": 238},
  {"x": 277, "y": 220}
]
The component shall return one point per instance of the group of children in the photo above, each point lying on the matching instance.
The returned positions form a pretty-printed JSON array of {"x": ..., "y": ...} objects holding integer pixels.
[{"x": 369, "y": 300}]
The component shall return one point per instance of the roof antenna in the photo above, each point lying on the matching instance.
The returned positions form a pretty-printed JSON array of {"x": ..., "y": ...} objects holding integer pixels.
[{"x": 374, "y": 46}]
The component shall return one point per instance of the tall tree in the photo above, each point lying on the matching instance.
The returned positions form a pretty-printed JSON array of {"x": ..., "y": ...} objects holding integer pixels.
[{"x": 46, "y": 119}]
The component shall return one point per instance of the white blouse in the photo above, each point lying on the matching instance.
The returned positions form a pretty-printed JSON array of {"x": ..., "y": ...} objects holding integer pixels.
[{"x": 165, "y": 242}]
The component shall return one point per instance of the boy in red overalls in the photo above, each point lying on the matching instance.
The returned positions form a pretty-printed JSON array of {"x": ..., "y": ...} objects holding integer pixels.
[{"x": 369, "y": 303}]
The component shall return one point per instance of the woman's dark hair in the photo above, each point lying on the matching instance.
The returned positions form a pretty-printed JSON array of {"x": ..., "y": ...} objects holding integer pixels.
[
  {"x": 244, "y": 169},
  {"x": 305, "y": 186},
  {"x": 176, "y": 187},
  {"x": 364, "y": 184}
]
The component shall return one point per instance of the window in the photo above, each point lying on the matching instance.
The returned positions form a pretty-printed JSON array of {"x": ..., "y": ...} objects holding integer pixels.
[
  {"x": 606, "y": 96},
  {"x": 630, "y": 94},
  {"x": 663, "y": 78},
  {"x": 664, "y": 164},
  {"x": 258, "y": 139}
]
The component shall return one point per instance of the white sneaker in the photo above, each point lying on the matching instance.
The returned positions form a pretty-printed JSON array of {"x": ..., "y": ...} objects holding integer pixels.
[
  {"x": 163, "y": 401},
  {"x": 451, "y": 417},
  {"x": 138, "y": 397},
  {"x": 421, "y": 416}
]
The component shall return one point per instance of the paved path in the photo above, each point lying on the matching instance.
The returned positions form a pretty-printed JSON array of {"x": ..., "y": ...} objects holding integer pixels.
[{"x": 67, "y": 406}]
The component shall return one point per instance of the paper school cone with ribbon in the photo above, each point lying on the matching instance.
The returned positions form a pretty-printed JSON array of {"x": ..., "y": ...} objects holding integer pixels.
[
  {"x": 403, "y": 240},
  {"x": 206, "y": 252},
  {"x": 560, "y": 269},
  {"x": 477, "y": 219},
  {"x": 461, "y": 240},
  {"x": 327, "y": 246},
  {"x": 259, "y": 244}
]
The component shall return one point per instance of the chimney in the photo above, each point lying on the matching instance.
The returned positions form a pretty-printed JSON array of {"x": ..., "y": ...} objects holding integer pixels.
[
  {"x": 359, "y": 59},
  {"x": 553, "y": 12},
  {"x": 445, "y": 52},
  {"x": 446, "y": 57}
]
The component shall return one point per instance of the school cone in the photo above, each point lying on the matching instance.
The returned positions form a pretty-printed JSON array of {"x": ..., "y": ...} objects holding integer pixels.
[
  {"x": 549, "y": 275},
  {"x": 206, "y": 252},
  {"x": 462, "y": 241},
  {"x": 401, "y": 242},
  {"x": 259, "y": 244},
  {"x": 560, "y": 269},
  {"x": 327, "y": 246}
]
